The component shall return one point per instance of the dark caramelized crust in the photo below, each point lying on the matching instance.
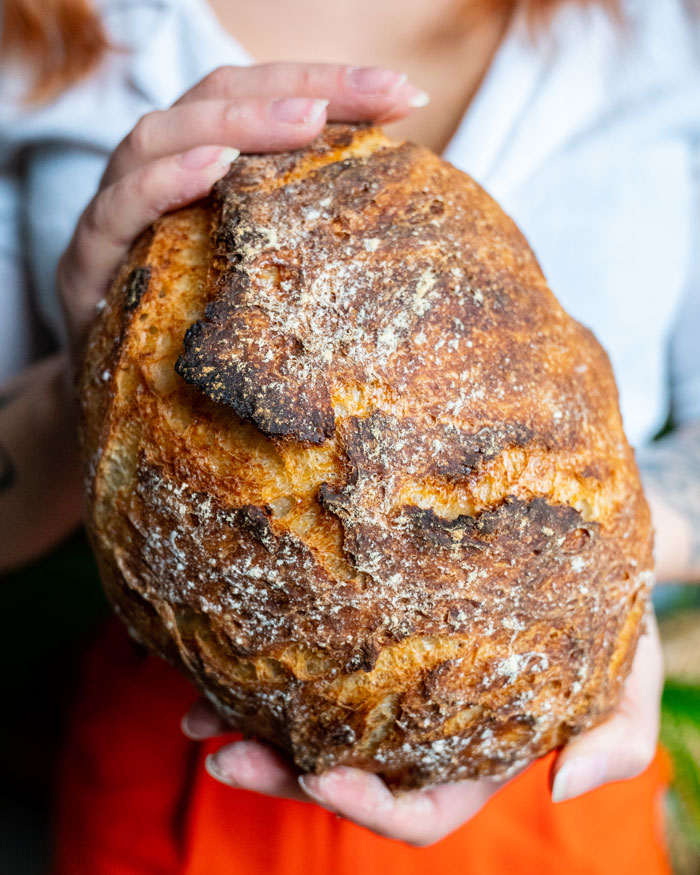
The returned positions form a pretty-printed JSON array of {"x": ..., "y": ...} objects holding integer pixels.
[{"x": 352, "y": 467}]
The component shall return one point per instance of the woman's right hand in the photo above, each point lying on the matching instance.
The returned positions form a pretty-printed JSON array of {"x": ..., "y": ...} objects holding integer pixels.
[
  {"x": 173, "y": 157},
  {"x": 620, "y": 747}
]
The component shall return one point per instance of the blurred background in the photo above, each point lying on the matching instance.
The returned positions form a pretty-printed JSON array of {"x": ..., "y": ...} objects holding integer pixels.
[{"x": 53, "y": 607}]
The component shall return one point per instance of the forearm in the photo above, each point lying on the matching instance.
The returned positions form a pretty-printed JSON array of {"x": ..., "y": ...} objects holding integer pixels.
[
  {"x": 670, "y": 471},
  {"x": 40, "y": 496}
]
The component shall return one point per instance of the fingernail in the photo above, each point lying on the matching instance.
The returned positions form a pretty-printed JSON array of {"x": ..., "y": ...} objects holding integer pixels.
[
  {"x": 187, "y": 729},
  {"x": 418, "y": 99},
  {"x": 375, "y": 80},
  {"x": 312, "y": 786},
  {"x": 208, "y": 156},
  {"x": 297, "y": 110},
  {"x": 227, "y": 765},
  {"x": 213, "y": 766},
  {"x": 234, "y": 764},
  {"x": 197, "y": 730},
  {"x": 202, "y": 722},
  {"x": 579, "y": 775}
]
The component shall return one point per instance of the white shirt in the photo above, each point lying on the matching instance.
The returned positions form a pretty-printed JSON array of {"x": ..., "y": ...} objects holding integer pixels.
[{"x": 590, "y": 139}]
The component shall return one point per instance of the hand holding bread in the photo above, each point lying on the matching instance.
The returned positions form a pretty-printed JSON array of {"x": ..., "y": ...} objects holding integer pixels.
[
  {"x": 172, "y": 157},
  {"x": 619, "y": 748}
]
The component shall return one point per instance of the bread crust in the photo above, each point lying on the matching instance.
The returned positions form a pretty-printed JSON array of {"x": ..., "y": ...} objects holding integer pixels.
[{"x": 353, "y": 469}]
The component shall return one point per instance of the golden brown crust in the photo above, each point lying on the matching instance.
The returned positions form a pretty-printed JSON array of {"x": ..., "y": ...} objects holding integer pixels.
[{"x": 389, "y": 517}]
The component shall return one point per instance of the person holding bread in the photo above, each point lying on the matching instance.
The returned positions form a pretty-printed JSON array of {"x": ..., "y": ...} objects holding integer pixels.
[{"x": 583, "y": 120}]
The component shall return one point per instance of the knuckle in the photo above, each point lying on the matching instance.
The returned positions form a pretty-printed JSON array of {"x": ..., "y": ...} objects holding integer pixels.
[
  {"x": 312, "y": 80},
  {"x": 99, "y": 219},
  {"x": 342, "y": 81},
  {"x": 73, "y": 272},
  {"x": 271, "y": 74},
  {"x": 94, "y": 220},
  {"x": 63, "y": 273},
  {"x": 74, "y": 262},
  {"x": 228, "y": 115},
  {"x": 139, "y": 139},
  {"x": 138, "y": 187},
  {"x": 220, "y": 78},
  {"x": 113, "y": 169},
  {"x": 151, "y": 190}
]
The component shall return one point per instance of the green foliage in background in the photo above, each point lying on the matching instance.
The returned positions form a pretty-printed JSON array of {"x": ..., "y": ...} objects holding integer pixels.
[{"x": 680, "y": 734}]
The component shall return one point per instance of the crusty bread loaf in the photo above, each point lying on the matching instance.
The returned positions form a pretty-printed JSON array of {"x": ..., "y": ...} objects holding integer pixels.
[{"x": 354, "y": 470}]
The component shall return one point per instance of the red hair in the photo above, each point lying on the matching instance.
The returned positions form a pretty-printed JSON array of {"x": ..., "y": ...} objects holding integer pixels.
[
  {"x": 62, "y": 40},
  {"x": 540, "y": 11},
  {"x": 59, "y": 40}
]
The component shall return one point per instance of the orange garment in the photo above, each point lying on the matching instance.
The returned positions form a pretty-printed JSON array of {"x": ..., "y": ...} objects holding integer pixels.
[{"x": 134, "y": 799}]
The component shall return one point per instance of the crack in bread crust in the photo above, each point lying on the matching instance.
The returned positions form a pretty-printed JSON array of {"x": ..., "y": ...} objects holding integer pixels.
[{"x": 389, "y": 517}]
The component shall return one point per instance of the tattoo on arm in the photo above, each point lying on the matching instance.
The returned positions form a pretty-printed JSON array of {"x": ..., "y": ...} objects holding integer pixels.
[
  {"x": 8, "y": 472},
  {"x": 672, "y": 467}
]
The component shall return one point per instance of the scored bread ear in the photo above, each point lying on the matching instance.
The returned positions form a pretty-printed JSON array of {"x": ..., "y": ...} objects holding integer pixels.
[
  {"x": 235, "y": 357},
  {"x": 257, "y": 347}
]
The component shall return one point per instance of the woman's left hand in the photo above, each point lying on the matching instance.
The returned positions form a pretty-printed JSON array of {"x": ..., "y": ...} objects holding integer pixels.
[{"x": 621, "y": 747}]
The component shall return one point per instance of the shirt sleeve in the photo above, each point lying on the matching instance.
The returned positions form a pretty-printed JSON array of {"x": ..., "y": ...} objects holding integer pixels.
[
  {"x": 16, "y": 318},
  {"x": 60, "y": 179}
]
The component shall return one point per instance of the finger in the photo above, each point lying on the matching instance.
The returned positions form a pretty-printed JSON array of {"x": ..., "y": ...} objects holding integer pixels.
[
  {"x": 624, "y": 745},
  {"x": 118, "y": 214},
  {"x": 252, "y": 125},
  {"x": 355, "y": 93},
  {"x": 252, "y": 765},
  {"x": 202, "y": 721},
  {"x": 419, "y": 817}
]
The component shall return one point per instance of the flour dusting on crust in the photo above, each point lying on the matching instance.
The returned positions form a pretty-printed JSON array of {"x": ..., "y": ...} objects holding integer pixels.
[{"x": 353, "y": 469}]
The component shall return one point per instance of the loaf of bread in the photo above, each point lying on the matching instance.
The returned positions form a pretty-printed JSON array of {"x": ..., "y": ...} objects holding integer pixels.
[{"x": 353, "y": 469}]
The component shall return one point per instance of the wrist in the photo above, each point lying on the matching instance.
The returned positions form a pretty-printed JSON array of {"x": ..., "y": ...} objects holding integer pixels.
[
  {"x": 42, "y": 502},
  {"x": 672, "y": 537}
]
